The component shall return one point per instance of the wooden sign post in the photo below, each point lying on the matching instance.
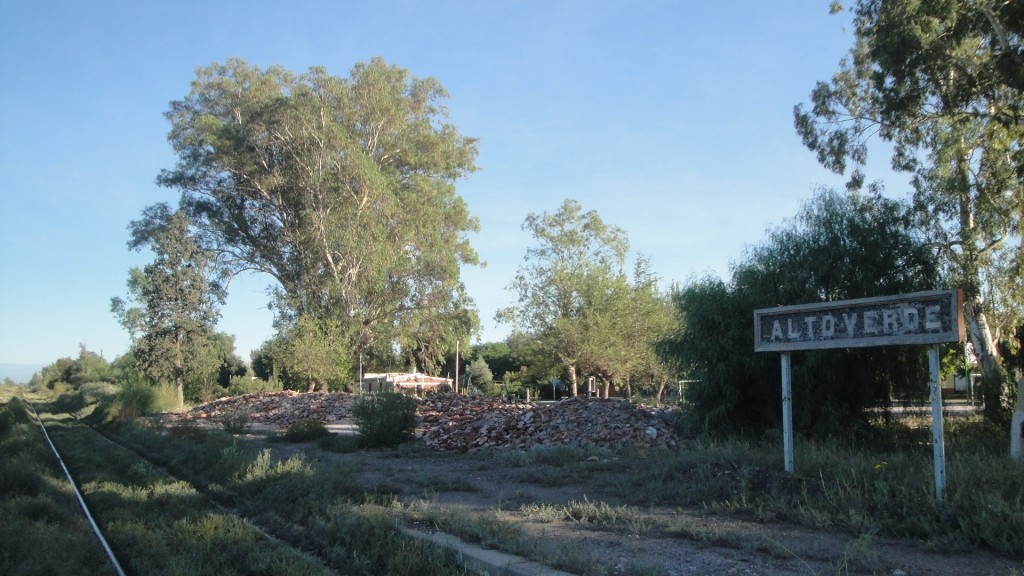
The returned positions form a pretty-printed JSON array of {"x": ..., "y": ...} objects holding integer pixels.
[{"x": 930, "y": 317}]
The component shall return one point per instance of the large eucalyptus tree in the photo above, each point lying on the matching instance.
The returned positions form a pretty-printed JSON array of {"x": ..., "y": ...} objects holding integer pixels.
[
  {"x": 342, "y": 189},
  {"x": 943, "y": 83}
]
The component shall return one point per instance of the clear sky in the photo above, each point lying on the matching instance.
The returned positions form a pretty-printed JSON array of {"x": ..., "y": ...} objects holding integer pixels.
[{"x": 671, "y": 118}]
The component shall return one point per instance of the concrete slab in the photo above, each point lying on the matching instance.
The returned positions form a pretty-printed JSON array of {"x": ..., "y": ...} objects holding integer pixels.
[{"x": 482, "y": 560}]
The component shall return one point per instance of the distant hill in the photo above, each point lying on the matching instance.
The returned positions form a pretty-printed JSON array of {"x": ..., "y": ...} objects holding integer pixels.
[{"x": 20, "y": 373}]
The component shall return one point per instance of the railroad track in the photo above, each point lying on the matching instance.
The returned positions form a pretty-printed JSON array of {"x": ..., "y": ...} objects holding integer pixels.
[
  {"x": 117, "y": 450},
  {"x": 114, "y": 562}
]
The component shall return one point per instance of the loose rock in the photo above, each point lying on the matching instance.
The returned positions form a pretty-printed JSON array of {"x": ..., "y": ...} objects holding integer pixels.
[{"x": 451, "y": 422}]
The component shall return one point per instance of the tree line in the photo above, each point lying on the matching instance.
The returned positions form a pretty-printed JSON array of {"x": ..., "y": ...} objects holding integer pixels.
[{"x": 343, "y": 190}]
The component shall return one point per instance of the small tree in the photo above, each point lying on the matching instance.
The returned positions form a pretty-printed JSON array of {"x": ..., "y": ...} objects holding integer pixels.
[
  {"x": 313, "y": 354},
  {"x": 177, "y": 300},
  {"x": 575, "y": 250},
  {"x": 479, "y": 374}
]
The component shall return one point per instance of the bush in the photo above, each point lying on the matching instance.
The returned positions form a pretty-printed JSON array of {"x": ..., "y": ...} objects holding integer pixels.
[
  {"x": 384, "y": 420},
  {"x": 305, "y": 430},
  {"x": 237, "y": 422},
  {"x": 12, "y": 414},
  {"x": 93, "y": 392},
  {"x": 187, "y": 430},
  {"x": 135, "y": 399}
]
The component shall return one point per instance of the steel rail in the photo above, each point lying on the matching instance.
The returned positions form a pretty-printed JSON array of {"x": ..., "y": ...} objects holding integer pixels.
[{"x": 81, "y": 501}]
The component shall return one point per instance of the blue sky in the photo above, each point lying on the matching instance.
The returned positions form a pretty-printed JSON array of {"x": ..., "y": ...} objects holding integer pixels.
[{"x": 672, "y": 119}]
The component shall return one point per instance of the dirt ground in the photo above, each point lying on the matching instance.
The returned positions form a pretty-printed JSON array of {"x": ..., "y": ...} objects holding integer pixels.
[{"x": 665, "y": 540}]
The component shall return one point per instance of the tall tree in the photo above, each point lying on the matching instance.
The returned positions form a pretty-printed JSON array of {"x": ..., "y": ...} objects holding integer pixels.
[
  {"x": 342, "y": 189},
  {"x": 576, "y": 254},
  {"x": 177, "y": 300},
  {"x": 943, "y": 83},
  {"x": 622, "y": 322}
]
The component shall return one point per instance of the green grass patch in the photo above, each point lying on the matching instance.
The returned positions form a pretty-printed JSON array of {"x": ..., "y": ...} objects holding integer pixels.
[{"x": 306, "y": 503}]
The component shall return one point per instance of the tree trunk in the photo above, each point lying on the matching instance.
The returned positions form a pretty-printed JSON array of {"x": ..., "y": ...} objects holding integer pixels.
[
  {"x": 607, "y": 387},
  {"x": 660, "y": 393},
  {"x": 993, "y": 381},
  {"x": 1017, "y": 423},
  {"x": 572, "y": 378},
  {"x": 179, "y": 390}
]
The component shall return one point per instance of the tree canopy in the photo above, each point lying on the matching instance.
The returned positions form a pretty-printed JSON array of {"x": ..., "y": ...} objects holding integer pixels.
[
  {"x": 838, "y": 247},
  {"x": 177, "y": 301},
  {"x": 342, "y": 189},
  {"x": 575, "y": 299},
  {"x": 943, "y": 83}
]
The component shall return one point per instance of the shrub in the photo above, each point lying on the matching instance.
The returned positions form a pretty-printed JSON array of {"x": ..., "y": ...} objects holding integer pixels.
[
  {"x": 165, "y": 397},
  {"x": 17, "y": 412},
  {"x": 384, "y": 420},
  {"x": 237, "y": 422},
  {"x": 12, "y": 414},
  {"x": 93, "y": 392},
  {"x": 305, "y": 430},
  {"x": 135, "y": 399}
]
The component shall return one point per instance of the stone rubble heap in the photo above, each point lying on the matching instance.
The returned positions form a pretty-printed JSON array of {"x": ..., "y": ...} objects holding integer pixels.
[
  {"x": 456, "y": 423},
  {"x": 451, "y": 422},
  {"x": 279, "y": 408}
]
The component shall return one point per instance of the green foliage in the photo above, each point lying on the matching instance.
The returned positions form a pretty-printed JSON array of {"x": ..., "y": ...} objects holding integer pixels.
[
  {"x": 479, "y": 374},
  {"x": 187, "y": 430},
  {"x": 136, "y": 399},
  {"x": 384, "y": 420},
  {"x": 498, "y": 357},
  {"x": 355, "y": 214},
  {"x": 12, "y": 414},
  {"x": 177, "y": 301},
  {"x": 312, "y": 355},
  {"x": 305, "y": 430},
  {"x": 942, "y": 83},
  {"x": 237, "y": 422},
  {"x": 87, "y": 394},
  {"x": 838, "y": 247},
  {"x": 240, "y": 385},
  {"x": 87, "y": 367},
  {"x": 573, "y": 295}
]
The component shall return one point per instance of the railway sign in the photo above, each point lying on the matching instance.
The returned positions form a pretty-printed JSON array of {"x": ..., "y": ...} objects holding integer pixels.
[
  {"x": 929, "y": 318},
  {"x": 918, "y": 318}
]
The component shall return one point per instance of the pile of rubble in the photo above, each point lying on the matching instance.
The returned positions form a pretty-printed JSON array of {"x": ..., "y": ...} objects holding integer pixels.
[
  {"x": 457, "y": 423},
  {"x": 278, "y": 408},
  {"x": 451, "y": 422}
]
